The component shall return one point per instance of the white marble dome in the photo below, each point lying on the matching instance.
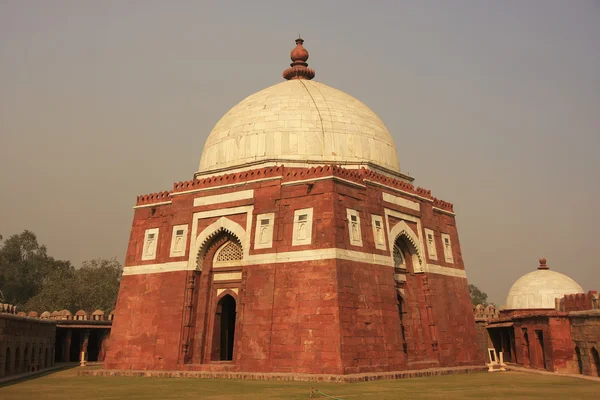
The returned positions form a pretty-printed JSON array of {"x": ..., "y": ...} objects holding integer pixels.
[
  {"x": 539, "y": 289},
  {"x": 299, "y": 121}
]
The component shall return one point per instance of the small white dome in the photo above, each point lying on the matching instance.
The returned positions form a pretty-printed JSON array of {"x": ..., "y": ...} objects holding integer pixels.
[
  {"x": 539, "y": 289},
  {"x": 299, "y": 121}
]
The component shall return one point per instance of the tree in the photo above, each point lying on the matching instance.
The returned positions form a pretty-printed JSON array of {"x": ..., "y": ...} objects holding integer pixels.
[
  {"x": 24, "y": 267},
  {"x": 97, "y": 283},
  {"x": 57, "y": 293},
  {"x": 477, "y": 296},
  {"x": 93, "y": 286},
  {"x": 32, "y": 280}
]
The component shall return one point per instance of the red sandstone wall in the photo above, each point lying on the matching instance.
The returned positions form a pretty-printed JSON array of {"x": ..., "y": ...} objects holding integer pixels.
[
  {"x": 323, "y": 316},
  {"x": 306, "y": 322},
  {"x": 371, "y": 339},
  {"x": 585, "y": 332},
  {"x": 558, "y": 345},
  {"x": 257, "y": 319},
  {"x": 483, "y": 338},
  {"x": 146, "y": 329},
  {"x": 579, "y": 302},
  {"x": 561, "y": 345},
  {"x": 28, "y": 342},
  {"x": 454, "y": 321}
]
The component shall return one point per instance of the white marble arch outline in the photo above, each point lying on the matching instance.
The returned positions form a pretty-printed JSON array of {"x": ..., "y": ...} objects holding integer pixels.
[
  {"x": 222, "y": 224},
  {"x": 402, "y": 228}
]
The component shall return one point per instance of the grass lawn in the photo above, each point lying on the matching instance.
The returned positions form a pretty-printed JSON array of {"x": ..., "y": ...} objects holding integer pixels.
[{"x": 500, "y": 385}]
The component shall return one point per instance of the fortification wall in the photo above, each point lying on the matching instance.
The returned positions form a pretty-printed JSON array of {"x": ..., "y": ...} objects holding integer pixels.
[{"x": 26, "y": 343}]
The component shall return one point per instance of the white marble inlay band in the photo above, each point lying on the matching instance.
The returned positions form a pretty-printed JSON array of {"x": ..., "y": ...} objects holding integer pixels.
[
  {"x": 399, "y": 201},
  {"x": 223, "y": 198},
  {"x": 438, "y": 269},
  {"x": 155, "y": 268},
  {"x": 297, "y": 256},
  {"x": 231, "y": 276}
]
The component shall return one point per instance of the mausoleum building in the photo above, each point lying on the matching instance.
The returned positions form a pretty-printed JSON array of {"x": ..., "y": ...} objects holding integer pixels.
[
  {"x": 548, "y": 323},
  {"x": 298, "y": 246}
]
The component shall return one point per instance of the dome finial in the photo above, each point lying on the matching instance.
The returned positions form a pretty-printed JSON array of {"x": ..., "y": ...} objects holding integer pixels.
[
  {"x": 299, "y": 68},
  {"x": 543, "y": 264}
]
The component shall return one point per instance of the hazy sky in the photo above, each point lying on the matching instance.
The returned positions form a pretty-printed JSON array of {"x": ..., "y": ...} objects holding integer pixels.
[{"x": 494, "y": 105}]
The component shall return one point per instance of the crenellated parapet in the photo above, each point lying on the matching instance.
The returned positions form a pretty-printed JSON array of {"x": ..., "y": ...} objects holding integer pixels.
[
  {"x": 444, "y": 205},
  {"x": 8, "y": 309},
  {"x": 579, "y": 302},
  {"x": 388, "y": 181},
  {"x": 153, "y": 198},
  {"x": 64, "y": 315},
  {"x": 485, "y": 312},
  {"x": 360, "y": 176},
  {"x": 424, "y": 192},
  {"x": 227, "y": 179},
  {"x": 325, "y": 171}
]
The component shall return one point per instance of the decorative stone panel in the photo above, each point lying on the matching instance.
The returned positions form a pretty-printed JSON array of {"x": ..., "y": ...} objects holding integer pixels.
[
  {"x": 179, "y": 240},
  {"x": 354, "y": 227},
  {"x": 447, "y": 248},
  {"x": 430, "y": 242},
  {"x": 303, "y": 220},
  {"x": 263, "y": 237},
  {"x": 378, "y": 232},
  {"x": 150, "y": 244}
]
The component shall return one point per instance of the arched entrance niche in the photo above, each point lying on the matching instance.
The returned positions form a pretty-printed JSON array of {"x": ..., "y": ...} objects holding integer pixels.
[
  {"x": 48, "y": 356},
  {"x": 17, "y": 369},
  {"x": 224, "y": 329},
  {"x": 403, "y": 253},
  {"x": 579, "y": 360},
  {"x": 417, "y": 331},
  {"x": 209, "y": 335},
  {"x": 26, "y": 359},
  {"x": 7, "y": 363},
  {"x": 407, "y": 244},
  {"x": 595, "y": 362}
]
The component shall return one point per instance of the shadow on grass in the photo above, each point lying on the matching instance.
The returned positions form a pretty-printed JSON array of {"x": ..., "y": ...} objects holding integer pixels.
[{"x": 38, "y": 375}]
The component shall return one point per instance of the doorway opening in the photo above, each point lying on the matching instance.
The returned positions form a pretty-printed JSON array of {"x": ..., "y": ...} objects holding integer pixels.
[
  {"x": 224, "y": 329},
  {"x": 49, "y": 361},
  {"x": 540, "y": 337},
  {"x": 7, "y": 362},
  {"x": 596, "y": 361},
  {"x": 75, "y": 348},
  {"x": 17, "y": 369},
  {"x": 579, "y": 360},
  {"x": 94, "y": 344},
  {"x": 26, "y": 359}
]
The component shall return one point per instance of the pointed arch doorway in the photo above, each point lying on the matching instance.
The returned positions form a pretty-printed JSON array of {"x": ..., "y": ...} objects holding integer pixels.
[
  {"x": 218, "y": 282},
  {"x": 224, "y": 329},
  {"x": 417, "y": 330}
]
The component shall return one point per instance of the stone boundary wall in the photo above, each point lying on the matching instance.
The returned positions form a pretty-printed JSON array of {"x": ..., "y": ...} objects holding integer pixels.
[
  {"x": 26, "y": 344},
  {"x": 66, "y": 315},
  {"x": 485, "y": 312},
  {"x": 352, "y": 378}
]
